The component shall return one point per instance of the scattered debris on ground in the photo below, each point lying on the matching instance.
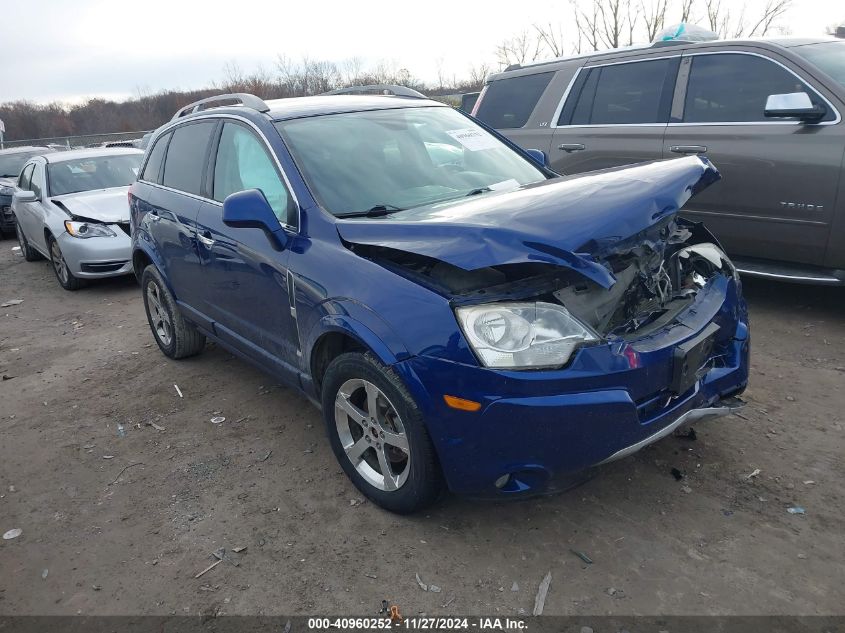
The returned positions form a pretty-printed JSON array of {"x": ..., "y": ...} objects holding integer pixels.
[{"x": 542, "y": 592}]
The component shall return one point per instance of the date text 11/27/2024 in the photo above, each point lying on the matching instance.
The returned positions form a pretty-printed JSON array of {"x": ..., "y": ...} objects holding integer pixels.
[{"x": 421, "y": 623}]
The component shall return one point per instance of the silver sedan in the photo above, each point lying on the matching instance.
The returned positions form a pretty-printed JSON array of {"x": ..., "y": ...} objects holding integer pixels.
[{"x": 72, "y": 208}]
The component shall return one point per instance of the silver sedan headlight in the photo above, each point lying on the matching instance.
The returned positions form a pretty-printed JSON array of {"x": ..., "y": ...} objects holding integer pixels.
[
  {"x": 88, "y": 229},
  {"x": 6, "y": 191},
  {"x": 522, "y": 335}
]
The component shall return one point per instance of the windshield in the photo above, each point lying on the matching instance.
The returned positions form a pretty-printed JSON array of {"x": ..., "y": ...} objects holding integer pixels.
[
  {"x": 99, "y": 172},
  {"x": 828, "y": 56},
  {"x": 391, "y": 160},
  {"x": 11, "y": 164}
]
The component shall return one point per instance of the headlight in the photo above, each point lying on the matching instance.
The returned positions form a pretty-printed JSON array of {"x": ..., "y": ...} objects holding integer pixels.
[
  {"x": 7, "y": 191},
  {"x": 522, "y": 334},
  {"x": 88, "y": 229}
]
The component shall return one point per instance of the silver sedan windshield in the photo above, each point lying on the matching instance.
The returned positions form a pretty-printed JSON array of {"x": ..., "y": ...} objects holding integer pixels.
[{"x": 87, "y": 174}]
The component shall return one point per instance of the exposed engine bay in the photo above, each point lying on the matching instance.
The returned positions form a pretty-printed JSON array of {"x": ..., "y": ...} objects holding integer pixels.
[{"x": 655, "y": 279}]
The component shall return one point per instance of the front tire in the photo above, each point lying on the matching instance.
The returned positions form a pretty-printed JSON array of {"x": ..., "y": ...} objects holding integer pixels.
[
  {"x": 29, "y": 253},
  {"x": 66, "y": 279},
  {"x": 176, "y": 337},
  {"x": 378, "y": 435}
]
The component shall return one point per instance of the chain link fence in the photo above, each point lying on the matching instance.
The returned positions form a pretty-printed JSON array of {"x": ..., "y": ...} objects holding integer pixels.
[{"x": 76, "y": 142}]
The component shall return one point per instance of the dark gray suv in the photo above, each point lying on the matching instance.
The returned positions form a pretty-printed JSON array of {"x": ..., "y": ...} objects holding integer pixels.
[{"x": 768, "y": 113}]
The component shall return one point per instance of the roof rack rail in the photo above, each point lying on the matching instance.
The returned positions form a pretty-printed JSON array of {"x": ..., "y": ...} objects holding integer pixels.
[
  {"x": 378, "y": 89},
  {"x": 661, "y": 43},
  {"x": 245, "y": 99}
]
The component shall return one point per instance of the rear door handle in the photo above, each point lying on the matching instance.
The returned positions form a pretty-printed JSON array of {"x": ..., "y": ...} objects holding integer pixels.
[
  {"x": 572, "y": 147},
  {"x": 688, "y": 149},
  {"x": 205, "y": 238}
]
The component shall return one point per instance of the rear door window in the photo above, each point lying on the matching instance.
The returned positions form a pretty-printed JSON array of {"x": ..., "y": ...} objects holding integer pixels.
[
  {"x": 733, "y": 88},
  {"x": 186, "y": 154},
  {"x": 625, "y": 94},
  {"x": 508, "y": 103},
  {"x": 152, "y": 170}
]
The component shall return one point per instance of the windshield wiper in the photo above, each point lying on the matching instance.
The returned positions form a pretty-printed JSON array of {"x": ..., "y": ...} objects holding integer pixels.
[
  {"x": 373, "y": 212},
  {"x": 475, "y": 192}
]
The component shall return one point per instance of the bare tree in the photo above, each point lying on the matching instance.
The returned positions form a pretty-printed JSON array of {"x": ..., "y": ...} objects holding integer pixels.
[
  {"x": 686, "y": 10},
  {"x": 551, "y": 38},
  {"x": 730, "y": 25},
  {"x": 588, "y": 25},
  {"x": 523, "y": 47},
  {"x": 478, "y": 74},
  {"x": 774, "y": 11},
  {"x": 654, "y": 17}
]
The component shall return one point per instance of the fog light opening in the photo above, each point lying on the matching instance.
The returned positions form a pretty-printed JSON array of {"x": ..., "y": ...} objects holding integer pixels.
[{"x": 502, "y": 481}]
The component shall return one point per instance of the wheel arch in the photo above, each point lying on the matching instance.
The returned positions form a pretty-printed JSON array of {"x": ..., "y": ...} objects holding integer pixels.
[{"x": 335, "y": 334}]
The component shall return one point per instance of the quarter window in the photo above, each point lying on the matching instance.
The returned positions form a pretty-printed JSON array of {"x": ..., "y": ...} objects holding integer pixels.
[
  {"x": 508, "y": 103},
  {"x": 636, "y": 92},
  {"x": 37, "y": 184},
  {"x": 243, "y": 162},
  {"x": 152, "y": 170},
  {"x": 185, "y": 162},
  {"x": 26, "y": 175},
  {"x": 731, "y": 87}
]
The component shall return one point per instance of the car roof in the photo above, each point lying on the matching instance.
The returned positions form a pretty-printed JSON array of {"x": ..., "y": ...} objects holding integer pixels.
[
  {"x": 548, "y": 64},
  {"x": 298, "y": 107},
  {"x": 25, "y": 148},
  {"x": 74, "y": 154}
]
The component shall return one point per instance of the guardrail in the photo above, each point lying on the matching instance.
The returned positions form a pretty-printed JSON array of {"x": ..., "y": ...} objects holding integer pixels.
[{"x": 77, "y": 141}]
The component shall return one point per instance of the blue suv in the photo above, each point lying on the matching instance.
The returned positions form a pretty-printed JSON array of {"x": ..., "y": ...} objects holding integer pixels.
[{"x": 464, "y": 317}]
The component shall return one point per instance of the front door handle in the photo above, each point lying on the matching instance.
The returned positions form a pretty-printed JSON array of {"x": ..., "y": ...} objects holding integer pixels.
[
  {"x": 205, "y": 238},
  {"x": 688, "y": 149},
  {"x": 572, "y": 147}
]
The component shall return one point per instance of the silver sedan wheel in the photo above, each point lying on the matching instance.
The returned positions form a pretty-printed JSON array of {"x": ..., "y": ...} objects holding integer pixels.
[
  {"x": 372, "y": 434},
  {"x": 59, "y": 263},
  {"x": 158, "y": 315}
]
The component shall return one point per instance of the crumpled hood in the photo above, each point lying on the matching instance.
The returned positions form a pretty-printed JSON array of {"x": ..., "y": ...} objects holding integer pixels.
[
  {"x": 8, "y": 182},
  {"x": 569, "y": 221},
  {"x": 105, "y": 205}
]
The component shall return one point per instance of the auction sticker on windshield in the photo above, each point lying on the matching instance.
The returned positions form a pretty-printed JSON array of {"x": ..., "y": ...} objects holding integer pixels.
[{"x": 473, "y": 139}]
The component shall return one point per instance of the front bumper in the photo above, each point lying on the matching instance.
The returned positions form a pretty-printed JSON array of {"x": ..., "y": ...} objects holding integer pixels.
[
  {"x": 539, "y": 426},
  {"x": 98, "y": 257}
]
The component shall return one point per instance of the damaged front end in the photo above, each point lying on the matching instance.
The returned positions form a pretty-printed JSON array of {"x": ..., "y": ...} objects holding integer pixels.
[
  {"x": 656, "y": 280},
  {"x": 599, "y": 257}
]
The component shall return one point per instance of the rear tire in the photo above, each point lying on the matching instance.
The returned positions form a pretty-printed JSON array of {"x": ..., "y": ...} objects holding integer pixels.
[
  {"x": 176, "y": 337},
  {"x": 66, "y": 279},
  {"x": 374, "y": 425},
  {"x": 29, "y": 253}
]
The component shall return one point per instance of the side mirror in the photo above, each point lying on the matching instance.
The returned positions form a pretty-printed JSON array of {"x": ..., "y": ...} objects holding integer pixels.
[
  {"x": 24, "y": 196},
  {"x": 250, "y": 209},
  {"x": 793, "y": 105},
  {"x": 539, "y": 156}
]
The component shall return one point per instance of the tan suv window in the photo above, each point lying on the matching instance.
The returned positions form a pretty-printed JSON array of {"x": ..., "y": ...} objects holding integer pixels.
[{"x": 733, "y": 88}]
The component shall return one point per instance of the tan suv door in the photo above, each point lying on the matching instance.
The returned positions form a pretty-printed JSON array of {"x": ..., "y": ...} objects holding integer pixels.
[
  {"x": 779, "y": 177},
  {"x": 614, "y": 113}
]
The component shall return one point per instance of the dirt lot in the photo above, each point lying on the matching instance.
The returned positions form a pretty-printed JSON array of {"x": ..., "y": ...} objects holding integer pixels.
[{"x": 114, "y": 541}]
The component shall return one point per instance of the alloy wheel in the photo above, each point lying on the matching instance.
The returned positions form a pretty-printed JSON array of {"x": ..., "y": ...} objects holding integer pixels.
[
  {"x": 158, "y": 315},
  {"x": 372, "y": 434},
  {"x": 59, "y": 263}
]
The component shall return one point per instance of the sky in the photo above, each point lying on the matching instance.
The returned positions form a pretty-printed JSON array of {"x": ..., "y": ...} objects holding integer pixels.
[{"x": 74, "y": 50}]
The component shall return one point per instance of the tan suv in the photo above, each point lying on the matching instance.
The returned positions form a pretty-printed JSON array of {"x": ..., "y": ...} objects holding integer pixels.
[{"x": 767, "y": 113}]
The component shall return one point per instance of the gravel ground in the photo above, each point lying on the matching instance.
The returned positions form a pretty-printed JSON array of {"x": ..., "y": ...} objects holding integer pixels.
[{"x": 123, "y": 489}]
